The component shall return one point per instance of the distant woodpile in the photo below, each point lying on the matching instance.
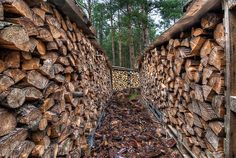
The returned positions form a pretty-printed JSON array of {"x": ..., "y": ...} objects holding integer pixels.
[
  {"x": 53, "y": 82},
  {"x": 124, "y": 79},
  {"x": 185, "y": 80}
]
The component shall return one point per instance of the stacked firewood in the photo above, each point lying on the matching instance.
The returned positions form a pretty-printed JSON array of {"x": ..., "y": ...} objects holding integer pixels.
[
  {"x": 134, "y": 80},
  {"x": 124, "y": 79},
  {"x": 53, "y": 82},
  {"x": 185, "y": 80}
]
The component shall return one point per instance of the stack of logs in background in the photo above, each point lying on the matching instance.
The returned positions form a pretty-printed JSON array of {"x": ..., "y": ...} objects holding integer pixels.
[
  {"x": 53, "y": 82},
  {"x": 185, "y": 80},
  {"x": 124, "y": 79}
]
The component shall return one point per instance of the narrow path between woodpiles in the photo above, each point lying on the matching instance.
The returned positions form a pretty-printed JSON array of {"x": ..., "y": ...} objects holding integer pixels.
[{"x": 130, "y": 131}]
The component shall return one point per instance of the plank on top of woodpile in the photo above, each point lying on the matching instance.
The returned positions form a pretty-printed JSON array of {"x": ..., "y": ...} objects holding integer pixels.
[{"x": 193, "y": 15}]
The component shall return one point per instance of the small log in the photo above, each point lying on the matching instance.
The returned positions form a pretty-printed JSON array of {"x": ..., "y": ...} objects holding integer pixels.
[
  {"x": 47, "y": 104},
  {"x": 58, "y": 68},
  {"x": 198, "y": 32},
  {"x": 18, "y": 7},
  {"x": 30, "y": 116},
  {"x": 26, "y": 55},
  {"x": 45, "y": 34},
  {"x": 11, "y": 141},
  {"x": 16, "y": 98},
  {"x": 210, "y": 20},
  {"x": 217, "y": 83},
  {"x": 23, "y": 149},
  {"x": 65, "y": 147},
  {"x": 185, "y": 52},
  {"x": 218, "y": 128},
  {"x": 63, "y": 61},
  {"x": 37, "y": 80},
  {"x": 48, "y": 69},
  {"x": 5, "y": 82},
  {"x": 26, "y": 23},
  {"x": 53, "y": 56},
  {"x": 12, "y": 59},
  {"x": 16, "y": 74},
  {"x": 31, "y": 93},
  {"x": 43, "y": 124},
  {"x": 8, "y": 122},
  {"x": 218, "y": 105},
  {"x": 40, "y": 12},
  {"x": 189, "y": 119},
  {"x": 207, "y": 113},
  {"x": 14, "y": 37},
  {"x": 196, "y": 45},
  {"x": 3, "y": 66},
  {"x": 214, "y": 141},
  {"x": 32, "y": 64},
  {"x": 208, "y": 92},
  {"x": 41, "y": 47},
  {"x": 219, "y": 35},
  {"x": 207, "y": 48},
  {"x": 52, "y": 46},
  {"x": 38, "y": 151},
  {"x": 185, "y": 42},
  {"x": 217, "y": 57}
]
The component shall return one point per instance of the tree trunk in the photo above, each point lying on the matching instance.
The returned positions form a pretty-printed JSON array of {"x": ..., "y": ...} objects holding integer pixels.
[
  {"x": 119, "y": 40},
  {"x": 130, "y": 39},
  {"x": 112, "y": 36},
  {"x": 145, "y": 25}
]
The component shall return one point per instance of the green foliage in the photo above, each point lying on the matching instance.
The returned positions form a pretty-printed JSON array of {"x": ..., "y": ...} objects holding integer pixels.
[
  {"x": 141, "y": 15},
  {"x": 133, "y": 96}
]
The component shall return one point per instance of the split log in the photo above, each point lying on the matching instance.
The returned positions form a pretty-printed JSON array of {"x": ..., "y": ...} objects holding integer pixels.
[
  {"x": 38, "y": 151},
  {"x": 219, "y": 35},
  {"x": 30, "y": 116},
  {"x": 217, "y": 127},
  {"x": 18, "y": 7},
  {"x": 196, "y": 45},
  {"x": 32, "y": 64},
  {"x": 31, "y": 93},
  {"x": 8, "y": 122},
  {"x": 217, "y": 57},
  {"x": 48, "y": 103},
  {"x": 214, "y": 141},
  {"x": 218, "y": 105},
  {"x": 15, "y": 38},
  {"x": 12, "y": 59},
  {"x": 26, "y": 23},
  {"x": 207, "y": 113},
  {"x": 11, "y": 141},
  {"x": 5, "y": 83},
  {"x": 23, "y": 149},
  {"x": 15, "y": 98},
  {"x": 207, "y": 48},
  {"x": 16, "y": 74},
  {"x": 48, "y": 69},
  {"x": 210, "y": 20},
  {"x": 37, "y": 80}
]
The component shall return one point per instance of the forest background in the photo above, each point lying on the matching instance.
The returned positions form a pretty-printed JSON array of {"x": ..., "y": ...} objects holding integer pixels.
[{"x": 125, "y": 27}]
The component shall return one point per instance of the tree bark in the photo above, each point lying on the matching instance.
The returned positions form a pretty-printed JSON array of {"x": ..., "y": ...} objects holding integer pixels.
[
  {"x": 112, "y": 36},
  {"x": 130, "y": 38}
]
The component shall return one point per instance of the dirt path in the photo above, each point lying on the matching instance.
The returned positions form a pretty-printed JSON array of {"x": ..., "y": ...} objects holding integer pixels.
[{"x": 129, "y": 131}]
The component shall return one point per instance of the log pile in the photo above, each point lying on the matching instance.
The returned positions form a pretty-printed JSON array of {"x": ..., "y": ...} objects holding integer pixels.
[
  {"x": 185, "y": 80},
  {"x": 124, "y": 79},
  {"x": 53, "y": 82}
]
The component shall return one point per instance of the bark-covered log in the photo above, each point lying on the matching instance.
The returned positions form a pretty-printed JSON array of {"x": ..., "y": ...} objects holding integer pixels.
[{"x": 8, "y": 122}]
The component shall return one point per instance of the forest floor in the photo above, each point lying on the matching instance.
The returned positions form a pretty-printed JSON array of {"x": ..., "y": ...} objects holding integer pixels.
[{"x": 129, "y": 130}]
